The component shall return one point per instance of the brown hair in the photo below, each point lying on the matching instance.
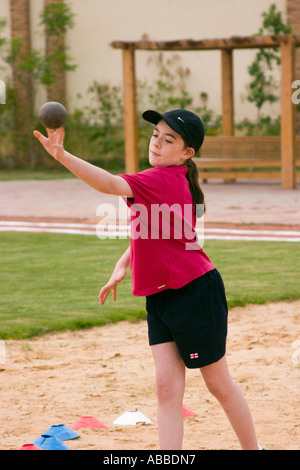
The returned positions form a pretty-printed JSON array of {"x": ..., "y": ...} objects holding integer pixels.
[{"x": 193, "y": 179}]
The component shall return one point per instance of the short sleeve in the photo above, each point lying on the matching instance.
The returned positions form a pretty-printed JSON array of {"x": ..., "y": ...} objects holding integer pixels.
[{"x": 148, "y": 186}]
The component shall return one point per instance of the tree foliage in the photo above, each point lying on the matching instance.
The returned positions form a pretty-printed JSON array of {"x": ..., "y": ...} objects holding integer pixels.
[{"x": 262, "y": 87}]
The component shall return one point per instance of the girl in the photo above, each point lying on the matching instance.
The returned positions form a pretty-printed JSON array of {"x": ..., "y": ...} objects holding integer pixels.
[{"x": 185, "y": 297}]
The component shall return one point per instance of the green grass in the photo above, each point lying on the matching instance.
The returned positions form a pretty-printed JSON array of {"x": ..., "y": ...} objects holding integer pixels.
[
  {"x": 257, "y": 272},
  {"x": 50, "y": 282}
]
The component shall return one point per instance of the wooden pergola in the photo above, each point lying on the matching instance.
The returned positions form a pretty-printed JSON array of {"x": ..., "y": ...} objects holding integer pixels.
[{"x": 286, "y": 44}]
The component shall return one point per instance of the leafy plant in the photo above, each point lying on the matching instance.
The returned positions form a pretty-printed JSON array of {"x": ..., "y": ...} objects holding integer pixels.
[
  {"x": 169, "y": 90},
  {"x": 211, "y": 121},
  {"x": 262, "y": 87},
  {"x": 107, "y": 107},
  {"x": 34, "y": 68},
  {"x": 57, "y": 18}
]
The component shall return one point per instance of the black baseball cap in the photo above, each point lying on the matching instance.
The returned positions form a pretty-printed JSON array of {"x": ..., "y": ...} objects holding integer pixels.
[{"x": 183, "y": 122}]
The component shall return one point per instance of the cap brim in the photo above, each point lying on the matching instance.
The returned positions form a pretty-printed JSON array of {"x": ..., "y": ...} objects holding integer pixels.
[{"x": 154, "y": 117}]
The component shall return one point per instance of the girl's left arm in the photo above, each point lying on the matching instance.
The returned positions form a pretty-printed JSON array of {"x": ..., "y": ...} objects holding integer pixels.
[
  {"x": 117, "y": 276},
  {"x": 94, "y": 176}
]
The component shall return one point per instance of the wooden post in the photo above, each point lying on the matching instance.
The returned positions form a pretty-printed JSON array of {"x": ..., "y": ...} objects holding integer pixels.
[
  {"x": 227, "y": 92},
  {"x": 227, "y": 96},
  {"x": 130, "y": 112},
  {"x": 288, "y": 125}
]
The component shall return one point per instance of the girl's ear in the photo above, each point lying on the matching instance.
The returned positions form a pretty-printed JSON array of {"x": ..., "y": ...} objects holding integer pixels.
[{"x": 189, "y": 152}]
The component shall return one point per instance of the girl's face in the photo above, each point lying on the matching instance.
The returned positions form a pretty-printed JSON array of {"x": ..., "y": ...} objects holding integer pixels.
[{"x": 167, "y": 147}]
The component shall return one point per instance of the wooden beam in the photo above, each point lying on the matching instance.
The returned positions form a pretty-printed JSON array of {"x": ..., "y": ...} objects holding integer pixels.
[
  {"x": 235, "y": 42},
  {"x": 227, "y": 92},
  {"x": 130, "y": 112},
  {"x": 288, "y": 125}
]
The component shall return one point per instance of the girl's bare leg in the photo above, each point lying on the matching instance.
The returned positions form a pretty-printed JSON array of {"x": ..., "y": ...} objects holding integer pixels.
[
  {"x": 221, "y": 385},
  {"x": 170, "y": 381}
]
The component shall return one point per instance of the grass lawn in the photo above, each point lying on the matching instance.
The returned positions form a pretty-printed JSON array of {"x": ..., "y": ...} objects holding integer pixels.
[{"x": 50, "y": 282}]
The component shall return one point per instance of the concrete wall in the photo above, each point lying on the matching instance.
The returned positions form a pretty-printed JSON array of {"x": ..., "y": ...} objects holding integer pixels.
[{"x": 98, "y": 22}]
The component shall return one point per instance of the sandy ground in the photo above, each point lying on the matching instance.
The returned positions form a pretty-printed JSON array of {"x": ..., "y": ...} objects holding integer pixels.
[{"x": 105, "y": 371}]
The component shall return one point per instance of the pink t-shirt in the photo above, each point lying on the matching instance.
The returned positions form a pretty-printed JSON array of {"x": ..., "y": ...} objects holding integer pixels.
[{"x": 164, "y": 252}]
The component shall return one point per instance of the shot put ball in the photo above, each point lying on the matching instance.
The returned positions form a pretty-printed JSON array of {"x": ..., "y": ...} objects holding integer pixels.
[{"x": 53, "y": 115}]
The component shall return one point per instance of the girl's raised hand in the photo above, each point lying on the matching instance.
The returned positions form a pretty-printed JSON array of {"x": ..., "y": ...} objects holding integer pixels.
[{"x": 54, "y": 143}]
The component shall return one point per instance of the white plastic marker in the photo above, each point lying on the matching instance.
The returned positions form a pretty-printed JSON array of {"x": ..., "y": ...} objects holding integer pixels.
[{"x": 130, "y": 418}]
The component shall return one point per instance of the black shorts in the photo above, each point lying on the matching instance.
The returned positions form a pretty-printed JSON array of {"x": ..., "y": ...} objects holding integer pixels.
[{"x": 194, "y": 316}]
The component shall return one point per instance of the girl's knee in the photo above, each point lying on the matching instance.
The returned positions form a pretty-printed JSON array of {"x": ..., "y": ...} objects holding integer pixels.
[
  {"x": 169, "y": 390},
  {"x": 218, "y": 379},
  {"x": 164, "y": 392},
  {"x": 219, "y": 389}
]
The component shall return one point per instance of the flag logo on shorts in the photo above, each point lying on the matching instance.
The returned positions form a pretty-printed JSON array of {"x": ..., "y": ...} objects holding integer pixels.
[{"x": 194, "y": 356}]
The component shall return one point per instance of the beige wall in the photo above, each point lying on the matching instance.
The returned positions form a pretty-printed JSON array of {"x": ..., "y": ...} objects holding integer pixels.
[{"x": 98, "y": 22}]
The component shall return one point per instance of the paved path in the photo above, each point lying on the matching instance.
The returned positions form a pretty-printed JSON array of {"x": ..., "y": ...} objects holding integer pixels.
[{"x": 238, "y": 206}]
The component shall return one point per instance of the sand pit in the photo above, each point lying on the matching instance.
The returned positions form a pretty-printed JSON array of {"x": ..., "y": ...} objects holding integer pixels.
[{"x": 106, "y": 371}]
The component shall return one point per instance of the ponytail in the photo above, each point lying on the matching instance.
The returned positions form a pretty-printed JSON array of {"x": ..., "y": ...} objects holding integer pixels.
[{"x": 196, "y": 192}]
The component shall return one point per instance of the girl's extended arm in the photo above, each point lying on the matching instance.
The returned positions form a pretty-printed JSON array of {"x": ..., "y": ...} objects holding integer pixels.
[
  {"x": 117, "y": 276},
  {"x": 94, "y": 176}
]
